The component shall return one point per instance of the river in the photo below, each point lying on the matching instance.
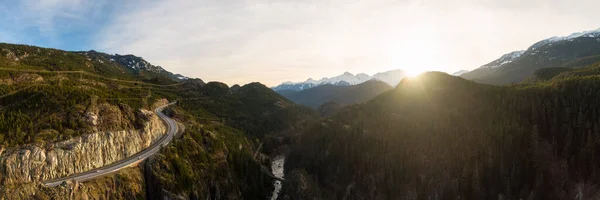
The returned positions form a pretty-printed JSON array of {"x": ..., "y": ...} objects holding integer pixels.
[{"x": 277, "y": 169}]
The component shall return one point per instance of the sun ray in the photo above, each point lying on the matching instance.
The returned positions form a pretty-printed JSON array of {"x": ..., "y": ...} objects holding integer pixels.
[{"x": 413, "y": 72}]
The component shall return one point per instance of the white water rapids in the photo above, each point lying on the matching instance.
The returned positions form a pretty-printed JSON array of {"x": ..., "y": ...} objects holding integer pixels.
[{"x": 277, "y": 169}]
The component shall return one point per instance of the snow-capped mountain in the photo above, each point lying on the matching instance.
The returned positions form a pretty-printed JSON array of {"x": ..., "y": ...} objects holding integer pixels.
[
  {"x": 505, "y": 59},
  {"x": 390, "y": 77},
  {"x": 294, "y": 86},
  {"x": 131, "y": 64},
  {"x": 512, "y": 56},
  {"x": 129, "y": 61},
  {"x": 590, "y": 34},
  {"x": 568, "y": 51},
  {"x": 136, "y": 63},
  {"x": 460, "y": 72},
  {"x": 343, "y": 95},
  {"x": 346, "y": 77}
]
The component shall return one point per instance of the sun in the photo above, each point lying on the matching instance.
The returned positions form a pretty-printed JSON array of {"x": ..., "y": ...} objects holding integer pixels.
[{"x": 413, "y": 72}]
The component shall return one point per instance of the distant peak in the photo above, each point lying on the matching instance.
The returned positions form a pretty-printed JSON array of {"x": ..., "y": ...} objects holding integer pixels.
[
  {"x": 460, "y": 72},
  {"x": 519, "y": 53},
  {"x": 363, "y": 76},
  {"x": 346, "y": 78},
  {"x": 591, "y": 33},
  {"x": 505, "y": 59}
]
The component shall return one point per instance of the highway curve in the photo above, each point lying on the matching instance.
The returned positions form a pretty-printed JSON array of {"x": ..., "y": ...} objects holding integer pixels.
[{"x": 172, "y": 128}]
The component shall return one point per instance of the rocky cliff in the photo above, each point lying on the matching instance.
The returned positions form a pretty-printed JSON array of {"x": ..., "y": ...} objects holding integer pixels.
[{"x": 34, "y": 163}]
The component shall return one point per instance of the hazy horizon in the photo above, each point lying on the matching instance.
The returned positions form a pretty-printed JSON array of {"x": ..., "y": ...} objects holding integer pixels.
[{"x": 238, "y": 42}]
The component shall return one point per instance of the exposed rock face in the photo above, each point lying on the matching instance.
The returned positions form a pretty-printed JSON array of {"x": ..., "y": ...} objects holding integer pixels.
[{"x": 35, "y": 164}]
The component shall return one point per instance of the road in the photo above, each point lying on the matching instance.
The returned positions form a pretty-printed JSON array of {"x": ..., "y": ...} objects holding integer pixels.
[{"x": 172, "y": 128}]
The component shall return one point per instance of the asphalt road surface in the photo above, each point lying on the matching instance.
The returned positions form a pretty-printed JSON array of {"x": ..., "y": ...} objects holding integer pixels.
[{"x": 172, "y": 128}]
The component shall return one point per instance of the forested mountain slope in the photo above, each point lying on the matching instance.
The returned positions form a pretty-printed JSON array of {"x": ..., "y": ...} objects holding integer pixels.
[
  {"x": 438, "y": 136},
  {"x": 49, "y": 96},
  {"x": 128, "y": 67},
  {"x": 344, "y": 95},
  {"x": 576, "y": 50}
]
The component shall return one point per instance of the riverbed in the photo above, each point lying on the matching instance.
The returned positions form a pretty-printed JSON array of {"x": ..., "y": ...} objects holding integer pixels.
[{"x": 277, "y": 169}]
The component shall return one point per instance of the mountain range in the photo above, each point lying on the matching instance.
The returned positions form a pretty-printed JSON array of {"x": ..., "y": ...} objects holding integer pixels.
[
  {"x": 433, "y": 137},
  {"x": 340, "y": 94},
  {"x": 333, "y": 93},
  {"x": 541, "y": 61},
  {"x": 576, "y": 50},
  {"x": 392, "y": 78},
  {"x": 444, "y": 137}
]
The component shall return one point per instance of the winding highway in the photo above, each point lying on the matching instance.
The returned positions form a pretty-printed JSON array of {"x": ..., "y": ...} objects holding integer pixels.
[{"x": 172, "y": 129}]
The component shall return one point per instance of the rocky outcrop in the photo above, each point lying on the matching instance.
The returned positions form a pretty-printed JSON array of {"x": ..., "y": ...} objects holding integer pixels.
[{"x": 35, "y": 164}]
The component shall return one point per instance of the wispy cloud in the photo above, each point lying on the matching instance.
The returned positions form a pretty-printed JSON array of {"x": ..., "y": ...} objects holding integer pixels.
[
  {"x": 239, "y": 41},
  {"x": 273, "y": 41}
]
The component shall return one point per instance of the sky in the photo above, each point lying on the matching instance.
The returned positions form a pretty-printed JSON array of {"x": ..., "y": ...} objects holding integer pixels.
[{"x": 268, "y": 41}]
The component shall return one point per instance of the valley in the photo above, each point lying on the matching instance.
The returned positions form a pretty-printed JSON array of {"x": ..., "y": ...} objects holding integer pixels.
[
  {"x": 94, "y": 129},
  {"x": 435, "y": 137},
  {"x": 409, "y": 123},
  {"x": 343, "y": 95},
  {"x": 277, "y": 167}
]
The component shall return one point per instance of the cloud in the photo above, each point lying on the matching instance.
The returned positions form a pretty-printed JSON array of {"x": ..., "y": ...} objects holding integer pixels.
[
  {"x": 274, "y": 41},
  {"x": 239, "y": 41},
  {"x": 248, "y": 41}
]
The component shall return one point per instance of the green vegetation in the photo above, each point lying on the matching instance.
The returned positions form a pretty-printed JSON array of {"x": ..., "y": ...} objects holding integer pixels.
[
  {"x": 343, "y": 95},
  {"x": 253, "y": 108},
  {"x": 49, "y": 95},
  {"x": 209, "y": 161},
  {"x": 214, "y": 157},
  {"x": 578, "y": 52},
  {"x": 53, "y": 107},
  {"x": 448, "y": 138},
  {"x": 546, "y": 74},
  {"x": 126, "y": 184},
  {"x": 24, "y": 57},
  {"x": 58, "y": 104},
  {"x": 555, "y": 73}
]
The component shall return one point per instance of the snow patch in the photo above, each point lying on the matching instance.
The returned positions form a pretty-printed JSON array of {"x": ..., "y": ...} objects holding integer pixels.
[
  {"x": 549, "y": 41},
  {"x": 390, "y": 77},
  {"x": 461, "y": 72},
  {"x": 505, "y": 59}
]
